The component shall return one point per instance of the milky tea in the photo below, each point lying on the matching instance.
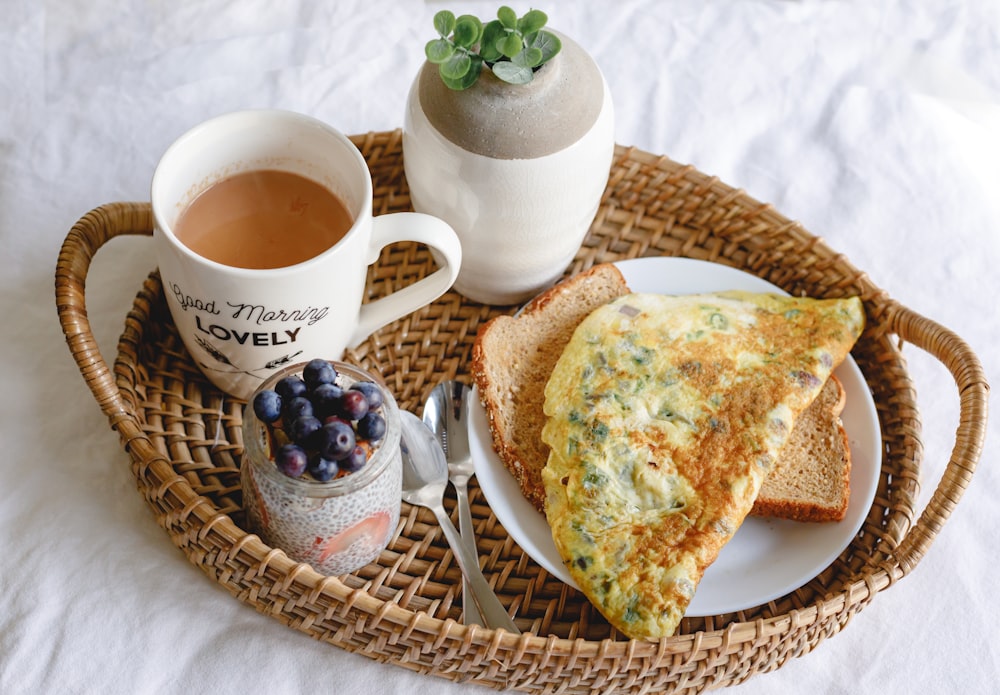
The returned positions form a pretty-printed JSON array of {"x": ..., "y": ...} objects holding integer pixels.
[{"x": 263, "y": 219}]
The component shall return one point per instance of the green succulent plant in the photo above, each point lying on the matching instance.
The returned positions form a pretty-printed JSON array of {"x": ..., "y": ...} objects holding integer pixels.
[{"x": 512, "y": 47}]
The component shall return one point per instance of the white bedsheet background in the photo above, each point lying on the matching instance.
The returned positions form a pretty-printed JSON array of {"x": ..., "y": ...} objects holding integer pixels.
[{"x": 877, "y": 125}]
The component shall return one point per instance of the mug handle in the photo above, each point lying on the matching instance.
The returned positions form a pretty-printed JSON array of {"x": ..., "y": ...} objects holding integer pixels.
[{"x": 409, "y": 226}]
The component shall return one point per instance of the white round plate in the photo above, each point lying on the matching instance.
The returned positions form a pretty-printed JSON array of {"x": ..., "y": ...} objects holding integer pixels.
[{"x": 767, "y": 558}]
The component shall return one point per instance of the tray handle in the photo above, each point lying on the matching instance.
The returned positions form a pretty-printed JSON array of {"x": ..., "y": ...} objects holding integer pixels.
[
  {"x": 88, "y": 235},
  {"x": 973, "y": 390}
]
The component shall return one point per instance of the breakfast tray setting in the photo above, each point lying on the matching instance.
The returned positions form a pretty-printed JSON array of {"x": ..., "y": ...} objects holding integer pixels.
[{"x": 184, "y": 439}]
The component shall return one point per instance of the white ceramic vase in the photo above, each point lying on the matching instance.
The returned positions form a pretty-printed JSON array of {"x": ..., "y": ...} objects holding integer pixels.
[{"x": 518, "y": 171}]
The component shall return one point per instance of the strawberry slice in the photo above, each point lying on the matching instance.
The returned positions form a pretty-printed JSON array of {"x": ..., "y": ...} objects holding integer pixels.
[
  {"x": 372, "y": 530},
  {"x": 265, "y": 518}
]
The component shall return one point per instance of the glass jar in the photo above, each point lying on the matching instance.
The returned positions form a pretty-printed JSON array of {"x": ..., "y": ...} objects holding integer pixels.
[{"x": 336, "y": 526}]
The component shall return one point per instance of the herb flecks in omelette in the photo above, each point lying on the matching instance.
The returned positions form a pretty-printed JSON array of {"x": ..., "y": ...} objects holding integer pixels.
[{"x": 664, "y": 415}]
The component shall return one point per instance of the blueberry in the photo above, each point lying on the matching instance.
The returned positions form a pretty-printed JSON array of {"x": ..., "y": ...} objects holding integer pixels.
[
  {"x": 353, "y": 405},
  {"x": 296, "y": 408},
  {"x": 355, "y": 459},
  {"x": 290, "y": 387},
  {"x": 302, "y": 429},
  {"x": 371, "y": 427},
  {"x": 291, "y": 460},
  {"x": 372, "y": 392},
  {"x": 323, "y": 469},
  {"x": 325, "y": 399},
  {"x": 318, "y": 372},
  {"x": 335, "y": 440},
  {"x": 267, "y": 406}
]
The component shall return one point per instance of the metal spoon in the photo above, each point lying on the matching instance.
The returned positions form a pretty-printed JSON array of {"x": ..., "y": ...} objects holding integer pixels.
[
  {"x": 446, "y": 413},
  {"x": 425, "y": 476}
]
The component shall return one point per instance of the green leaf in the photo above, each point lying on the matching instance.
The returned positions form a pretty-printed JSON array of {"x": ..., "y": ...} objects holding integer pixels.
[
  {"x": 548, "y": 43},
  {"x": 511, "y": 72},
  {"x": 457, "y": 66},
  {"x": 510, "y": 45},
  {"x": 530, "y": 57},
  {"x": 468, "y": 79},
  {"x": 507, "y": 17},
  {"x": 532, "y": 21},
  {"x": 438, "y": 50},
  {"x": 444, "y": 22},
  {"x": 492, "y": 32},
  {"x": 468, "y": 29}
]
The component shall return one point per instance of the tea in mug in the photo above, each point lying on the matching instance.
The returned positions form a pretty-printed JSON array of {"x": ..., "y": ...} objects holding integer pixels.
[{"x": 263, "y": 219}]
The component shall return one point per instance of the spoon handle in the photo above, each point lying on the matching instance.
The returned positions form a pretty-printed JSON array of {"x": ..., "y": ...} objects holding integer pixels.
[
  {"x": 472, "y": 615},
  {"x": 493, "y": 612}
]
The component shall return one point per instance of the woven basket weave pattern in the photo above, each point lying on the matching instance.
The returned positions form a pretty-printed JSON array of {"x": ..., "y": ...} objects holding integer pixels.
[{"x": 184, "y": 439}]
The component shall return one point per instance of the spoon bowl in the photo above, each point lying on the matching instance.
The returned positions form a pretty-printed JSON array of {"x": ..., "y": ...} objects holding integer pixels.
[
  {"x": 425, "y": 471},
  {"x": 446, "y": 412}
]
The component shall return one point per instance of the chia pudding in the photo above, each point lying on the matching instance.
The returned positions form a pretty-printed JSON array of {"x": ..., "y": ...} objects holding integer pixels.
[{"x": 339, "y": 525}]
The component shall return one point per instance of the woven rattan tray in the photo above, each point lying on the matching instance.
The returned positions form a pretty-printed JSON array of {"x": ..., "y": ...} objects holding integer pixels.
[{"x": 184, "y": 440}]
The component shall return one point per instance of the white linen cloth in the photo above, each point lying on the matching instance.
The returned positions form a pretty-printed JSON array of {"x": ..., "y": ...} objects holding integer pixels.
[{"x": 877, "y": 125}]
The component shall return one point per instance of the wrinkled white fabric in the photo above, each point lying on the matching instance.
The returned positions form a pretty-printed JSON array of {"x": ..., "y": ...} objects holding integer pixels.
[{"x": 877, "y": 125}]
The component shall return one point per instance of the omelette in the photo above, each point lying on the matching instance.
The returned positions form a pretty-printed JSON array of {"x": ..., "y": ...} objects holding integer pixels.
[{"x": 663, "y": 416}]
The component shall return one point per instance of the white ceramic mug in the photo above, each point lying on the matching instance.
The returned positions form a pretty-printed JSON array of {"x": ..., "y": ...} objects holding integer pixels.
[{"x": 240, "y": 325}]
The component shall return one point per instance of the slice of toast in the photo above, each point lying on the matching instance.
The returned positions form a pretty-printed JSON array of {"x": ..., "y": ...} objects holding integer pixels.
[
  {"x": 811, "y": 479},
  {"x": 513, "y": 357}
]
